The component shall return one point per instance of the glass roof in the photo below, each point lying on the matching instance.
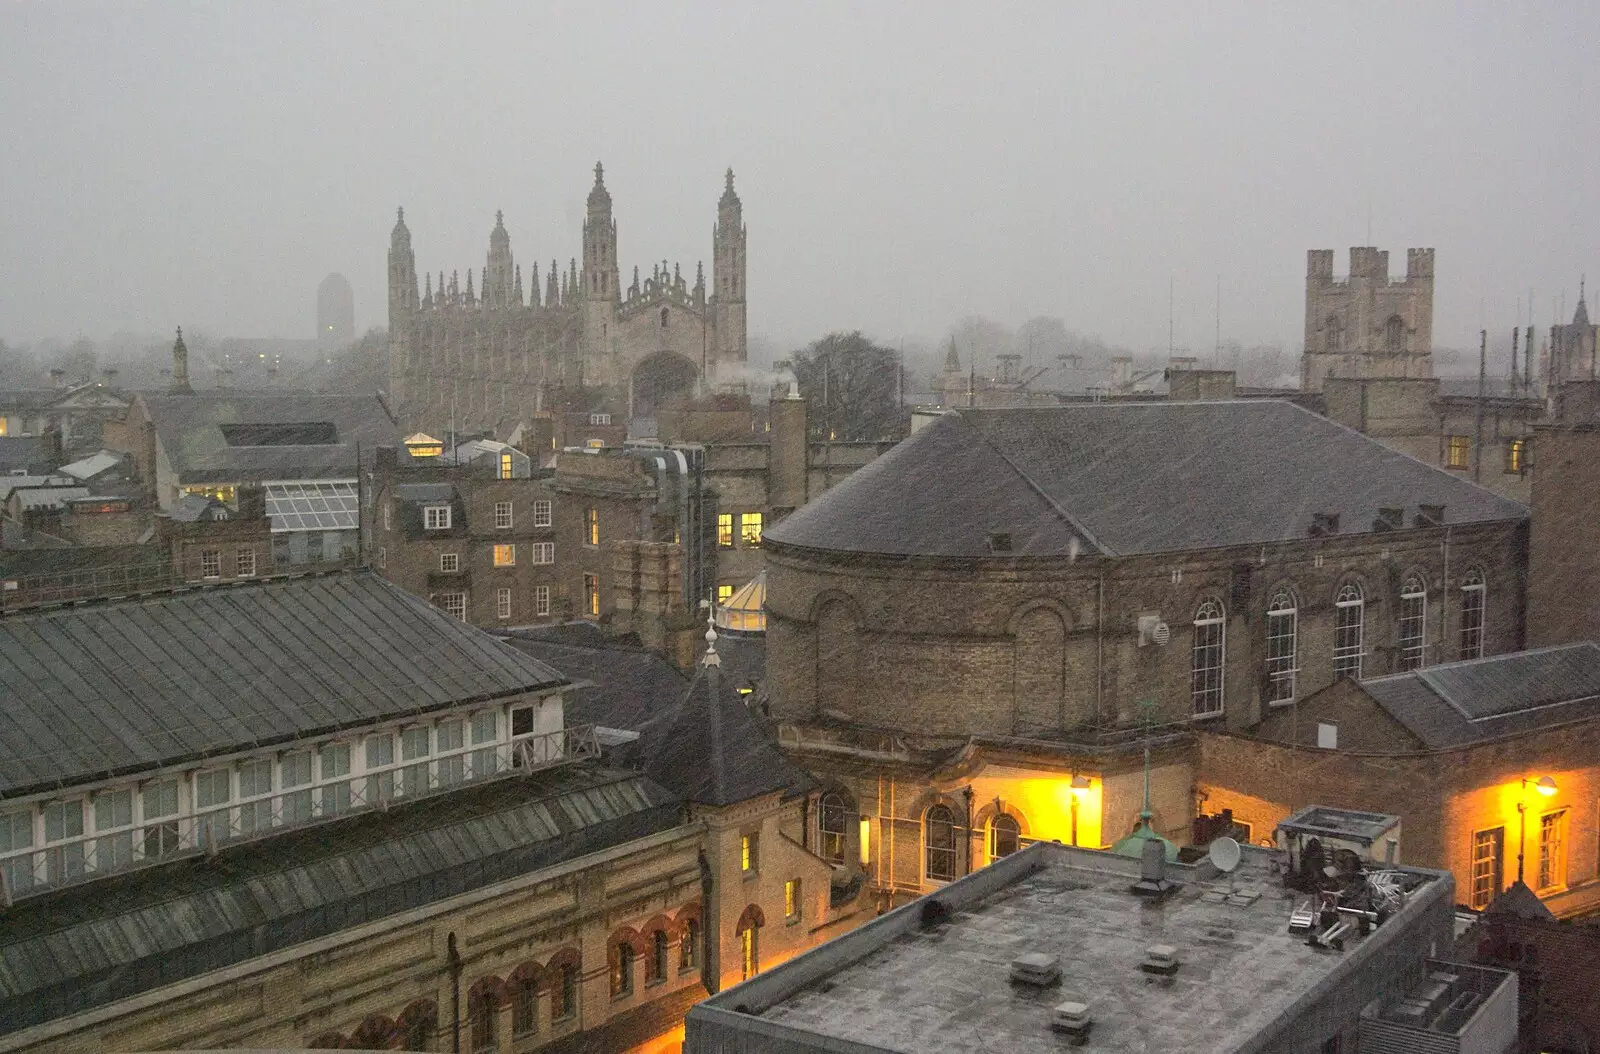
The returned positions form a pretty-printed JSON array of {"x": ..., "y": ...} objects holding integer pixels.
[
  {"x": 312, "y": 506},
  {"x": 745, "y": 611}
]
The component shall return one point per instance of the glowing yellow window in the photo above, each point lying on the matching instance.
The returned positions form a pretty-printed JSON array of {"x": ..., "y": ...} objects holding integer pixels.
[
  {"x": 748, "y": 857},
  {"x": 791, "y": 900},
  {"x": 591, "y": 594},
  {"x": 505, "y": 556},
  {"x": 1459, "y": 452},
  {"x": 591, "y": 526},
  {"x": 724, "y": 530},
  {"x": 1515, "y": 451},
  {"x": 724, "y": 594},
  {"x": 748, "y": 955},
  {"x": 750, "y": 530},
  {"x": 505, "y": 465}
]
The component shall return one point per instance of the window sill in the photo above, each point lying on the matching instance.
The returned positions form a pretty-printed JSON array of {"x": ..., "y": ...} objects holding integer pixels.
[
  {"x": 1279, "y": 704},
  {"x": 656, "y": 983},
  {"x": 683, "y": 970},
  {"x": 752, "y": 873},
  {"x": 1208, "y": 717},
  {"x": 621, "y": 996},
  {"x": 792, "y": 921}
]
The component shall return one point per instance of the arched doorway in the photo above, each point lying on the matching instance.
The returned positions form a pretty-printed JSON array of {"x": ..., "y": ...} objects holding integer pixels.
[{"x": 663, "y": 381}]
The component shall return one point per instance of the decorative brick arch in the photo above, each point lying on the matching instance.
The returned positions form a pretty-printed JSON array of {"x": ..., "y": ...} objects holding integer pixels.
[
  {"x": 327, "y": 1041},
  {"x": 375, "y": 1033},
  {"x": 489, "y": 988},
  {"x": 981, "y": 818},
  {"x": 568, "y": 956},
  {"x": 1029, "y": 607},
  {"x": 753, "y": 916},
  {"x": 529, "y": 973},
  {"x": 658, "y": 922},
  {"x": 625, "y": 935},
  {"x": 680, "y": 921},
  {"x": 420, "y": 1018}
]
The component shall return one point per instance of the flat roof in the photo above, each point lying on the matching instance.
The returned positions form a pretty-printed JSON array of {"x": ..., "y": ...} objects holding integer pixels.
[{"x": 896, "y": 985}]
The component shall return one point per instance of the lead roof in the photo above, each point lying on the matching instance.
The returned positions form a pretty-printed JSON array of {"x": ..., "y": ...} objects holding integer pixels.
[
  {"x": 1124, "y": 479},
  {"x": 104, "y": 689}
]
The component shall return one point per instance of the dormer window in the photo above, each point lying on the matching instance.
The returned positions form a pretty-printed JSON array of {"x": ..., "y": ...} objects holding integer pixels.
[{"x": 436, "y": 517}]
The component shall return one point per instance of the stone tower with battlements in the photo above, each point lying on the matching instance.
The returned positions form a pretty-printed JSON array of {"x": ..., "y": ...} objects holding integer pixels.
[
  {"x": 469, "y": 359},
  {"x": 1365, "y": 324}
]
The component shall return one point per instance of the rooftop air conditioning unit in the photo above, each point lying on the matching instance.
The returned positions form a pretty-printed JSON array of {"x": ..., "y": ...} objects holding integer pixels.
[
  {"x": 1072, "y": 1020},
  {"x": 1161, "y": 959}
]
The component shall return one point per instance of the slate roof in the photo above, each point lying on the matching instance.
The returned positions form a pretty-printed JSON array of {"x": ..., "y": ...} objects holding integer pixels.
[
  {"x": 1520, "y": 902},
  {"x": 190, "y": 430},
  {"x": 713, "y": 751},
  {"x": 619, "y": 685},
  {"x": 110, "y": 688},
  {"x": 24, "y": 452},
  {"x": 1456, "y": 703},
  {"x": 1124, "y": 479},
  {"x": 84, "y": 946}
]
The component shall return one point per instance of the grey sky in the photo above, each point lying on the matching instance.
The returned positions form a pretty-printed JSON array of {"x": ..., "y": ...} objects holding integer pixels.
[{"x": 901, "y": 165}]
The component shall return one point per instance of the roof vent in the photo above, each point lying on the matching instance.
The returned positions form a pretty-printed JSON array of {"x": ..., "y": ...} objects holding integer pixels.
[
  {"x": 1037, "y": 969},
  {"x": 1160, "y": 959},
  {"x": 999, "y": 541},
  {"x": 1324, "y": 523},
  {"x": 1153, "y": 631},
  {"x": 1072, "y": 1020},
  {"x": 1429, "y": 516},
  {"x": 1389, "y": 519}
]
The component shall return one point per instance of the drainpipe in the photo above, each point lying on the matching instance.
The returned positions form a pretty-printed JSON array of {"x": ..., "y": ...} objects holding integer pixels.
[
  {"x": 710, "y": 928},
  {"x": 454, "y": 956},
  {"x": 967, "y": 794}
]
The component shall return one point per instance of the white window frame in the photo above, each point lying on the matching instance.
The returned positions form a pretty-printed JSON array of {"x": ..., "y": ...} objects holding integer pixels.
[
  {"x": 1283, "y": 669},
  {"x": 257, "y": 808},
  {"x": 452, "y": 604},
  {"x": 502, "y": 602},
  {"x": 1349, "y": 638},
  {"x": 543, "y": 513},
  {"x": 1208, "y": 660},
  {"x": 1551, "y": 873},
  {"x": 449, "y": 563},
  {"x": 210, "y": 563},
  {"x": 544, "y": 552},
  {"x": 541, "y": 601},
  {"x": 504, "y": 515},
  {"x": 245, "y": 562},
  {"x": 436, "y": 517},
  {"x": 1411, "y": 628},
  {"x": 113, "y": 847},
  {"x": 1474, "y": 594}
]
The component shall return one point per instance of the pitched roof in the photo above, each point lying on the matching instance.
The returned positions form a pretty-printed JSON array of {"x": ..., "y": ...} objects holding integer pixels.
[
  {"x": 199, "y": 437},
  {"x": 1122, "y": 479},
  {"x": 713, "y": 751},
  {"x": 64, "y": 952},
  {"x": 618, "y": 685},
  {"x": 20, "y": 452},
  {"x": 116, "y": 687},
  {"x": 1463, "y": 702},
  {"x": 1521, "y": 902}
]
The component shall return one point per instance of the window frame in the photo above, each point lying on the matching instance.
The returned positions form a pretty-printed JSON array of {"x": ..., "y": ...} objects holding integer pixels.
[
  {"x": 1282, "y": 662},
  {"x": 939, "y": 817},
  {"x": 591, "y": 526},
  {"x": 504, "y": 554},
  {"x": 502, "y": 603},
  {"x": 591, "y": 594},
  {"x": 1470, "y": 632},
  {"x": 749, "y": 853},
  {"x": 750, "y": 528},
  {"x": 449, "y": 563},
  {"x": 833, "y": 845},
  {"x": 1208, "y": 660},
  {"x": 504, "y": 515},
  {"x": 437, "y": 517},
  {"x": 210, "y": 563},
  {"x": 724, "y": 530},
  {"x": 544, "y": 553},
  {"x": 1458, "y": 452},
  {"x": 1347, "y": 656},
  {"x": 543, "y": 512},
  {"x": 1552, "y": 860},
  {"x": 622, "y": 964},
  {"x": 793, "y": 906},
  {"x": 993, "y": 839},
  {"x": 453, "y": 604},
  {"x": 541, "y": 601},
  {"x": 1411, "y": 649},
  {"x": 1486, "y": 871},
  {"x": 244, "y": 565}
]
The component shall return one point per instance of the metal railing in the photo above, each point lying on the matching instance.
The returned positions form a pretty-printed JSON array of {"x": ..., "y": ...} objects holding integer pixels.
[{"x": 80, "y": 858}]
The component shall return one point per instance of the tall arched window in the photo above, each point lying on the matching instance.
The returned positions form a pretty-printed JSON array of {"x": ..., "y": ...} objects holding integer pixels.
[
  {"x": 688, "y": 944},
  {"x": 832, "y": 823},
  {"x": 484, "y": 1015},
  {"x": 748, "y": 930},
  {"x": 1349, "y": 614},
  {"x": 1394, "y": 335},
  {"x": 655, "y": 967},
  {"x": 621, "y": 969},
  {"x": 1283, "y": 627},
  {"x": 1474, "y": 595},
  {"x": 1333, "y": 339},
  {"x": 1005, "y": 836},
  {"x": 939, "y": 842},
  {"x": 1207, "y": 656},
  {"x": 525, "y": 1007},
  {"x": 1413, "y": 627}
]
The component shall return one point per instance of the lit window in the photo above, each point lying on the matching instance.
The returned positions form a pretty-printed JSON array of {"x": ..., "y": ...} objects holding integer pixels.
[
  {"x": 541, "y": 601},
  {"x": 1553, "y": 850},
  {"x": 724, "y": 530},
  {"x": 1488, "y": 874},
  {"x": 1282, "y": 645},
  {"x": 621, "y": 969},
  {"x": 505, "y": 556},
  {"x": 1349, "y": 614},
  {"x": 591, "y": 526},
  {"x": 1473, "y": 595},
  {"x": 1458, "y": 452},
  {"x": 210, "y": 563},
  {"x": 832, "y": 824},
  {"x": 502, "y": 603},
  {"x": 749, "y": 951},
  {"x": 1207, "y": 658},
  {"x": 1005, "y": 836},
  {"x": 687, "y": 956},
  {"x": 939, "y": 843},
  {"x": 245, "y": 564},
  {"x": 113, "y": 822},
  {"x": 1516, "y": 455},
  {"x": 750, "y": 530},
  {"x": 502, "y": 515},
  {"x": 1413, "y": 622},
  {"x": 591, "y": 594},
  {"x": 724, "y": 594},
  {"x": 791, "y": 900},
  {"x": 436, "y": 517},
  {"x": 749, "y": 853},
  {"x": 541, "y": 513},
  {"x": 449, "y": 563},
  {"x": 160, "y": 809},
  {"x": 505, "y": 464}
]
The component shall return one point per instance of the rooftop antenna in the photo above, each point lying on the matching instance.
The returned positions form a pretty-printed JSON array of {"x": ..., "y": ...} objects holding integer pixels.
[
  {"x": 1171, "y": 285},
  {"x": 1216, "y": 353},
  {"x": 1224, "y": 855}
]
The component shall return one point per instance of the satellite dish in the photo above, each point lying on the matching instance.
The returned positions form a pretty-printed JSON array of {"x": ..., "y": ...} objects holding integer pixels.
[{"x": 1224, "y": 855}]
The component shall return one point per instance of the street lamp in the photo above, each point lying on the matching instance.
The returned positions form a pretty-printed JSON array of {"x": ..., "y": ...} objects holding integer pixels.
[{"x": 1546, "y": 786}]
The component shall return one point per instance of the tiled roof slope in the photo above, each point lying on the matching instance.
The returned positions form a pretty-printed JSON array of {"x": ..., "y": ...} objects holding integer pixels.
[
  {"x": 1456, "y": 703},
  {"x": 190, "y": 428},
  {"x": 619, "y": 686},
  {"x": 1123, "y": 479},
  {"x": 102, "y": 689}
]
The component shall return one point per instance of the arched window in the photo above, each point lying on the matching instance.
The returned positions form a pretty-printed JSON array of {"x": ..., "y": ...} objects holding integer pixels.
[
  {"x": 564, "y": 992},
  {"x": 1474, "y": 595},
  {"x": 655, "y": 967},
  {"x": 418, "y": 1024},
  {"x": 1413, "y": 628},
  {"x": 688, "y": 946},
  {"x": 1283, "y": 628},
  {"x": 484, "y": 1015},
  {"x": 1333, "y": 339},
  {"x": 1349, "y": 613},
  {"x": 524, "y": 1007},
  {"x": 1206, "y": 658},
  {"x": 663, "y": 318},
  {"x": 621, "y": 969},
  {"x": 1394, "y": 335},
  {"x": 939, "y": 840},
  {"x": 749, "y": 932},
  {"x": 832, "y": 822},
  {"x": 1005, "y": 836}
]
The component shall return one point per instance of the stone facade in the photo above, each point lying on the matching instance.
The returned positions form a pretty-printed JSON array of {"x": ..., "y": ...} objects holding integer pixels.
[
  {"x": 1564, "y": 575},
  {"x": 483, "y": 359},
  {"x": 1365, "y": 325}
]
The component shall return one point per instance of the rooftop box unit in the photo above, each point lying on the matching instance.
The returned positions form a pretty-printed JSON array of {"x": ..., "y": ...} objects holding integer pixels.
[
  {"x": 1161, "y": 959},
  {"x": 1072, "y": 1020},
  {"x": 1037, "y": 969}
]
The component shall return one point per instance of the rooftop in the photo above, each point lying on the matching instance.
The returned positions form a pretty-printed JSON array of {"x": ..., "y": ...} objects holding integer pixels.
[
  {"x": 1124, "y": 479},
  {"x": 896, "y": 984},
  {"x": 106, "y": 688}
]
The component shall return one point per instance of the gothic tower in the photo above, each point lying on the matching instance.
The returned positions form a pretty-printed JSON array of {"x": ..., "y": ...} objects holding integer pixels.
[
  {"x": 601, "y": 288},
  {"x": 1366, "y": 324},
  {"x": 402, "y": 304},
  {"x": 498, "y": 275},
  {"x": 727, "y": 277}
]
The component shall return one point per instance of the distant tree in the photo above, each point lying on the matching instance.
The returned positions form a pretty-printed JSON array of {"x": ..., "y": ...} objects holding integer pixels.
[
  {"x": 979, "y": 340},
  {"x": 853, "y": 387},
  {"x": 79, "y": 360}
]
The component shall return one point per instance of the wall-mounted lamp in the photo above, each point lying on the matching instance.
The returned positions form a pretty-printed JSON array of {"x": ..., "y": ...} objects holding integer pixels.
[
  {"x": 866, "y": 840},
  {"x": 1546, "y": 786},
  {"x": 1081, "y": 783}
]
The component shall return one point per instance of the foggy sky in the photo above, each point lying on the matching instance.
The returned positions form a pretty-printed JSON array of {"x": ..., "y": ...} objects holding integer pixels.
[{"x": 901, "y": 165}]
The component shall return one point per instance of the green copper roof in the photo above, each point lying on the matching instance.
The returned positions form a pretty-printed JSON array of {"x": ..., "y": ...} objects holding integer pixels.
[{"x": 1133, "y": 844}]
